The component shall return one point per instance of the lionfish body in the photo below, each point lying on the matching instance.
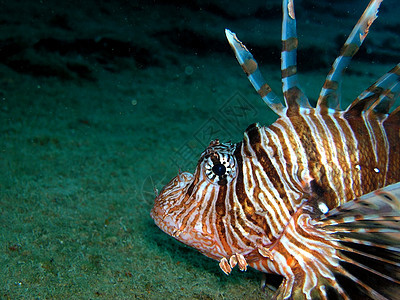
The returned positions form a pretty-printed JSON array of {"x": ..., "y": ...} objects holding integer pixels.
[{"x": 313, "y": 197}]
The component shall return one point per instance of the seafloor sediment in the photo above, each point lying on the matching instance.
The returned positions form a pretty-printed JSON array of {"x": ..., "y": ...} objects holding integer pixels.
[{"x": 101, "y": 102}]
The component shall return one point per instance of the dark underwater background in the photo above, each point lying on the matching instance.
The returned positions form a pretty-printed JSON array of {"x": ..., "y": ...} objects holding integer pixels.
[{"x": 102, "y": 102}]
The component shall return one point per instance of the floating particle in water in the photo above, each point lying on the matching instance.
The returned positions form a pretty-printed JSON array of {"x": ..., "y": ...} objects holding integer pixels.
[{"x": 189, "y": 70}]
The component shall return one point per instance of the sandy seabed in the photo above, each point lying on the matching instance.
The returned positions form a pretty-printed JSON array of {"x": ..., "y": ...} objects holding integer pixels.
[{"x": 102, "y": 102}]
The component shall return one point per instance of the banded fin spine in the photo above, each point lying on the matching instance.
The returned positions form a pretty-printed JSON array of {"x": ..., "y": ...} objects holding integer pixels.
[
  {"x": 294, "y": 97},
  {"x": 330, "y": 93},
  {"x": 380, "y": 96},
  {"x": 250, "y": 67}
]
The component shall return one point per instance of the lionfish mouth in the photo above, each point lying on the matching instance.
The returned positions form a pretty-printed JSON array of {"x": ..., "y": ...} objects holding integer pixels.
[
  {"x": 169, "y": 210},
  {"x": 166, "y": 204}
]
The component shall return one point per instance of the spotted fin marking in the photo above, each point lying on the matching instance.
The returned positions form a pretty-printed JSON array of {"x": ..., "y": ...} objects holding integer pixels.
[
  {"x": 367, "y": 231},
  {"x": 330, "y": 94}
]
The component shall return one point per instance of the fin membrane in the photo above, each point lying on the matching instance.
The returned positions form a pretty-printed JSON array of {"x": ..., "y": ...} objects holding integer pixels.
[{"x": 367, "y": 232}]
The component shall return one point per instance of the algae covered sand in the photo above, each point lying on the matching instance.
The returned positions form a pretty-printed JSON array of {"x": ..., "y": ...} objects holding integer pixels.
[{"x": 102, "y": 102}]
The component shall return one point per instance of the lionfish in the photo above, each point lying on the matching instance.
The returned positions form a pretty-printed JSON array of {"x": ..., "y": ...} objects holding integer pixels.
[{"x": 314, "y": 197}]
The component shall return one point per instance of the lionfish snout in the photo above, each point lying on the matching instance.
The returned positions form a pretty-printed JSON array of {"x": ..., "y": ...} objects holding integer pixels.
[
  {"x": 187, "y": 205},
  {"x": 169, "y": 202},
  {"x": 170, "y": 212}
]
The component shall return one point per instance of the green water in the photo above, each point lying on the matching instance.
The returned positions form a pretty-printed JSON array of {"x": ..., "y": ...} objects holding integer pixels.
[{"x": 101, "y": 104}]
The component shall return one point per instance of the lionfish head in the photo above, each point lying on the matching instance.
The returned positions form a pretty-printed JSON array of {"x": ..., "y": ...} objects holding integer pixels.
[{"x": 186, "y": 206}]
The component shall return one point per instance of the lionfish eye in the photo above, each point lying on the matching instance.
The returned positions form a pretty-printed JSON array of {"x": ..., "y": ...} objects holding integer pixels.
[{"x": 221, "y": 168}]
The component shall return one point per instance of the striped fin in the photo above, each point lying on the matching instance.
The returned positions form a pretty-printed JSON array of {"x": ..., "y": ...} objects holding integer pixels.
[
  {"x": 351, "y": 252},
  {"x": 294, "y": 97},
  {"x": 250, "y": 67},
  {"x": 330, "y": 94},
  {"x": 367, "y": 231},
  {"x": 380, "y": 96}
]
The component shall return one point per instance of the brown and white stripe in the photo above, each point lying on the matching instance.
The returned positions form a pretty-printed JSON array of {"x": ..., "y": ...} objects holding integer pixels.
[{"x": 282, "y": 200}]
